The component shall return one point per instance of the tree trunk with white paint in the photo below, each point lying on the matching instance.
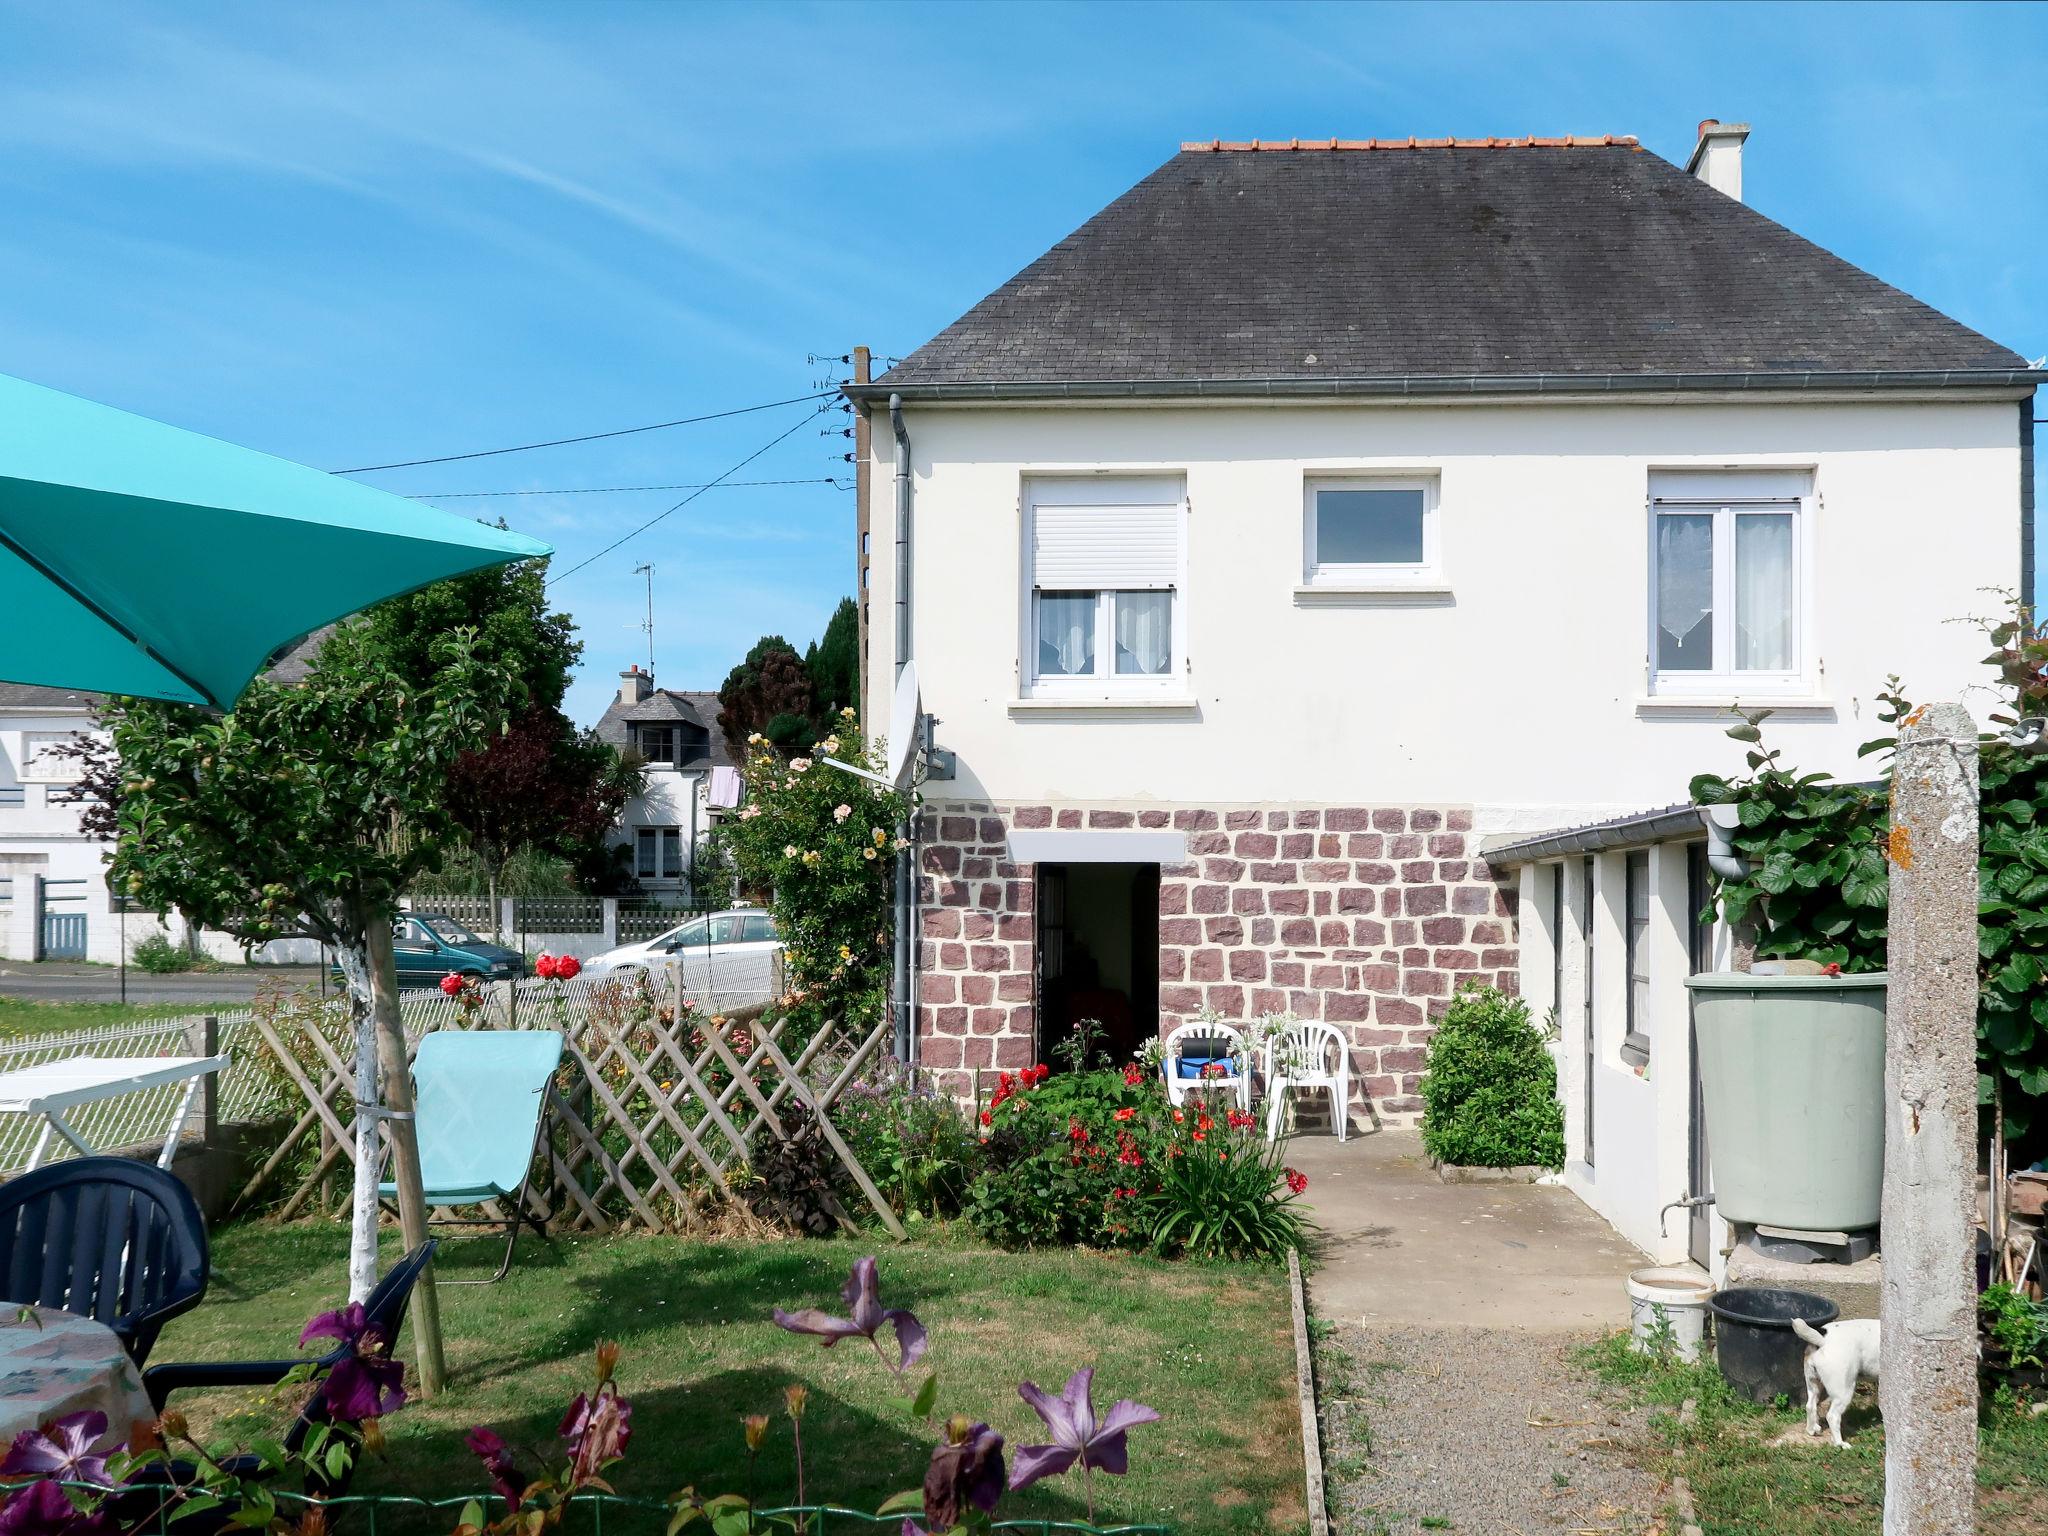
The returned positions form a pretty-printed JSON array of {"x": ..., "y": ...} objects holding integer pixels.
[
  {"x": 362, "y": 1248},
  {"x": 1928, "y": 1379}
]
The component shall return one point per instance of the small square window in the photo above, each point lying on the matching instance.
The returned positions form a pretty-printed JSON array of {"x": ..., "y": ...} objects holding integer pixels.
[{"x": 1370, "y": 531}]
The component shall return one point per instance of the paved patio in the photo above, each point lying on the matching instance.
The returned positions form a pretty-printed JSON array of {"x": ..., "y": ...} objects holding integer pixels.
[{"x": 1403, "y": 1248}]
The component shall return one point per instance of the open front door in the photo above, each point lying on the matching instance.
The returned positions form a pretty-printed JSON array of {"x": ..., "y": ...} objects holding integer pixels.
[{"x": 1051, "y": 908}]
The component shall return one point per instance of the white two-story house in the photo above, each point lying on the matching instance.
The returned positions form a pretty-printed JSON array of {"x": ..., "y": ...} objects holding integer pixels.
[
  {"x": 1321, "y": 513},
  {"x": 692, "y": 777}
]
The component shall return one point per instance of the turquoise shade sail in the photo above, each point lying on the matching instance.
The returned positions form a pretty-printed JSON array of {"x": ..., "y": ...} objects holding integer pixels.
[{"x": 139, "y": 558}]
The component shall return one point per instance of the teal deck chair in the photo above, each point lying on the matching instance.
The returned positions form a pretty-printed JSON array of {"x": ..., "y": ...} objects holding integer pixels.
[{"x": 479, "y": 1107}]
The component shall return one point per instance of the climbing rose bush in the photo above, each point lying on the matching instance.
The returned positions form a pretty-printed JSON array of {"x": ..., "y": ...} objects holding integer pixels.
[{"x": 818, "y": 846}]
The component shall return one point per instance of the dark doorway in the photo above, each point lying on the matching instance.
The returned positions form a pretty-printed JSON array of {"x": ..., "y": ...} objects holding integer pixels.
[
  {"x": 1098, "y": 956},
  {"x": 1699, "y": 907}
]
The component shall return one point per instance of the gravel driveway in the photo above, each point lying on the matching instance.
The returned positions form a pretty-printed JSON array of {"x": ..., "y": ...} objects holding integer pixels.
[{"x": 1477, "y": 1430}]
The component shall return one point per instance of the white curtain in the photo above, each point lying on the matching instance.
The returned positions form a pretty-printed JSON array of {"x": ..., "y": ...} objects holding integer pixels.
[
  {"x": 1763, "y": 592},
  {"x": 1685, "y": 592},
  {"x": 1066, "y": 634},
  {"x": 1144, "y": 632}
]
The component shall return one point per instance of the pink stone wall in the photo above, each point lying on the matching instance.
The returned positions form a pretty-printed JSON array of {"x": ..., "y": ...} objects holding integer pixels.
[{"x": 1364, "y": 917}]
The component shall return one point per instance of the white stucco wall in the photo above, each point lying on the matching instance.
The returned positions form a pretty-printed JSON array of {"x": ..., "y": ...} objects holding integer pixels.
[
  {"x": 1525, "y": 692},
  {"x": 672, "y": 797}
]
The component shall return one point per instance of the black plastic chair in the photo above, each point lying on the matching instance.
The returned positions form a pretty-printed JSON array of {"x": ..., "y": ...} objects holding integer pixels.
[
  {"x": 384, "y": 1311},
  {"x": 117, "y": 1241}
]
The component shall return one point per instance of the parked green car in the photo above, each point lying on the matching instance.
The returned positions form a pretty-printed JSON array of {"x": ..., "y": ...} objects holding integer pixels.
[{"x": 428, "y": 945}]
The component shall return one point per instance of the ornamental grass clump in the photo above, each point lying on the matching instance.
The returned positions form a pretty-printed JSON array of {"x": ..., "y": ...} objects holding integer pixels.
[{"x": 1490, "y": 1096}]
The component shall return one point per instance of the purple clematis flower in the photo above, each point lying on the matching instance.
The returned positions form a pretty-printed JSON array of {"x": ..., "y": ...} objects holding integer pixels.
[
  {"x": 967, "y": 1469},
  {"x": 596, "y": 1429},
  {"x": 490, "y": 1448},
  {"x": 61, "y": 1449},
  {"x": 365, "y": 1383},
  {"x": 44, "y": 1509},
  {"x": 860, "y": 1295},
  {"x": 1076, "y": 1434}
]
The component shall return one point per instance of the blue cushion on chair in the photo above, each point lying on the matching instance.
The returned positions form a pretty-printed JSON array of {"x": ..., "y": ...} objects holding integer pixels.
[{"x": 1192, "y": 1066}]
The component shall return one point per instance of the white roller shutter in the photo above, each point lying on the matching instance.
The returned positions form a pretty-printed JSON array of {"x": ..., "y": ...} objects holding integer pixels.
[{"x": 1105, "y": 535}]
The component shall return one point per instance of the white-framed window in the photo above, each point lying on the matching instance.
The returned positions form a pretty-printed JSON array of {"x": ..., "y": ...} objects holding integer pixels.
[
  {"x": 1104, "y": 610},
  {"x": 1728, "y": 581},
  {"x": 42, "y": 762},
  {"x": 658, "y": 853},
  {"x": 1370, "y": 530}
]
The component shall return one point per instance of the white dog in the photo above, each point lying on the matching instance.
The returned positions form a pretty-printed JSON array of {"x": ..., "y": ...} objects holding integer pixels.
[{"x": 1836, "y": 1358}]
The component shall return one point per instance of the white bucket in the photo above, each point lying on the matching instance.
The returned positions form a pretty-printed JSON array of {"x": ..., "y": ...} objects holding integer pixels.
[{"x": 1677, "y": 1295}]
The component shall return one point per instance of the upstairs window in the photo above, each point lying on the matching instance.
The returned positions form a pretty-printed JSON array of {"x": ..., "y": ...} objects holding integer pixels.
[
  {"x": 1727, "y": 557},
  {"x": 46, "y": 757},
  {"x": 658, "y": 744},
  {"x": 1371, "y": 531},
  {"x": 1104, "y": 563}
]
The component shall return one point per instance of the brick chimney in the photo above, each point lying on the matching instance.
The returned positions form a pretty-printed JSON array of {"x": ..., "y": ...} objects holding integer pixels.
[
  {"x": 635, "y": 685},
  {"x": 1717, "y": 157}
]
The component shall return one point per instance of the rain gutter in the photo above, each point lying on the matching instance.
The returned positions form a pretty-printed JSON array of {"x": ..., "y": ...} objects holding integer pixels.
[
  {"x": 903, "y": 969},
  {"x": 1432, "y": 386}
]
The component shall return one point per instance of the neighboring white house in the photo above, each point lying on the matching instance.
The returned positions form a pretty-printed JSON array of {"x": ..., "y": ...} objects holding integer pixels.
[
  {"x": 692, "y": 776},
  {"x": 1321, "y": 511}
]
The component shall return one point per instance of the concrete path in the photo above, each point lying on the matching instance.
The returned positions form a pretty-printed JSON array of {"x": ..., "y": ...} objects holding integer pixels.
[{"x": 1403, "y": 1248}]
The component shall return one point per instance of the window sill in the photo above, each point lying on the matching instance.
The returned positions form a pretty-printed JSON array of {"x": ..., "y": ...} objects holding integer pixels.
[
  {"x": 1374, "y": 594},
  {"x": 1098, "y": 704},
  {"x": 1721, "y": 705}
]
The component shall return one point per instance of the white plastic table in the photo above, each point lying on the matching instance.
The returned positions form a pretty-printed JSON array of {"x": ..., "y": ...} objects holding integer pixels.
[{"x": 55, "y": 1086}]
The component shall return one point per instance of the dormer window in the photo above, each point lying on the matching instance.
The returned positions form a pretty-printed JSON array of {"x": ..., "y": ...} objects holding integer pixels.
[{"x": 658, "y": 744}]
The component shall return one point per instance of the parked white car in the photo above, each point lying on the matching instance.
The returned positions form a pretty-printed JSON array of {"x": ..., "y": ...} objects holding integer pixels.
[{"x": 732, "y": 957}]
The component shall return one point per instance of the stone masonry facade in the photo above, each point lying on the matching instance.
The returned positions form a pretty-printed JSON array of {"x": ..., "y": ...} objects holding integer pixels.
[{"x": 1365, "y": 917}]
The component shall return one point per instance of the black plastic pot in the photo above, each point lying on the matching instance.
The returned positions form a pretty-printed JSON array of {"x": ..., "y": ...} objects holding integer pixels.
[{"x": 1761, "y": 1357}]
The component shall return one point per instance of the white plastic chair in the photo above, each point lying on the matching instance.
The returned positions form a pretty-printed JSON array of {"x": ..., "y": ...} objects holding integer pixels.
[
  {"x": 1195, "y": 1045},
  {"x": 1307, "y": 1056}
]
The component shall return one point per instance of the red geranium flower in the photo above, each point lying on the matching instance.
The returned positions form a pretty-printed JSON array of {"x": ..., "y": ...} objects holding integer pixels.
[
  {"x": 1132, "y": 1076},
  {"x": 1199, "y": 1135},
  {"x": 451, "y": 984},
  {"x": 987, "y": 1118},
  {"x": 1296, "y": 1181},
  {"x": 1125, "y": 1114},
  {"x": 566, "y": 967},
  {"x": 1178, "y": 1116},
  {"x": 544, "y": 967}
]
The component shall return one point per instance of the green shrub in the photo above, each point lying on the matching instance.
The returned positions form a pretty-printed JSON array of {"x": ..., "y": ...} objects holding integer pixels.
[
  {"x": 913, "y": 1141},
  {"x": 1100, "y": 1158},
  {"x": 159, "y": 956},
  {"x": 1490, "y": 1099}
]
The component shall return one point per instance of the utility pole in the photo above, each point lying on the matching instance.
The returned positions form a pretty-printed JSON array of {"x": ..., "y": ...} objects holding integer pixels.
[
  {"x": 1927, "y": 1385},
  {"x": 647, "y": 570}
]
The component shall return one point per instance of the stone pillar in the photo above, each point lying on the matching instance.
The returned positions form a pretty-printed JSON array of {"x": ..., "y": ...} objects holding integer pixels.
[{"x": 1928, "y": 1381}]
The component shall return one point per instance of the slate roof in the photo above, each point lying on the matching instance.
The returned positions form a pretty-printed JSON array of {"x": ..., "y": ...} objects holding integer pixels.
[
  {"x": 1448, "y": 261},
  {"x": 666, "y": 705},
  {"x": 29, "y": 696}
]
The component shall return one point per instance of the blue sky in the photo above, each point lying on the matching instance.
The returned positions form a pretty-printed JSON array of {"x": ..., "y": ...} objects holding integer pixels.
[{"x": 355, "y": 234}]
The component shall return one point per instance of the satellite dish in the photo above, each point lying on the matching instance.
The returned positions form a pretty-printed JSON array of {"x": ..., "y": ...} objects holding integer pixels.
[{"x": 904, "y": 710}]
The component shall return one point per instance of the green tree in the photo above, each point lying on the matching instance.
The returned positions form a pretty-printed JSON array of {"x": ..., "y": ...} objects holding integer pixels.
[
  {"x": 770, "y": 695},
  {"x": 539, "y": 783},
  {"x": 834, "y": 663},
  {"x": 277, "y": 820}
]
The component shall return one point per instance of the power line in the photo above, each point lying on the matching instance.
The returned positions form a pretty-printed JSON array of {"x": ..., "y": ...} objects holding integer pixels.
[
  {"x": 604, "y": 490},
  {"x": 590, "y": 437},
  {"x": 699, "y": 491}
]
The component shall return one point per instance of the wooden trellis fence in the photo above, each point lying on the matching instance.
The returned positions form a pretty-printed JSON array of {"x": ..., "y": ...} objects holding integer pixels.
[{"x": 655, "y": 1111}]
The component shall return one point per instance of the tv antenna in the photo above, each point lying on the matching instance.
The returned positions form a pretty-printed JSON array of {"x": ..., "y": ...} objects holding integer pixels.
[{"x": 647, "y": 625}]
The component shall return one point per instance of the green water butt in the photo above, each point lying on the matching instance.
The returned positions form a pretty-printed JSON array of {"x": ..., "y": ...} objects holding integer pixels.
[{"x": 1792, "y": 1076}]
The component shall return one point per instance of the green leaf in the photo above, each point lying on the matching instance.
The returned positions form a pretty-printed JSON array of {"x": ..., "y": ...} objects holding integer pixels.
[
  {"x": 902, "y": 1503},
  {"x": 927, "y": 1395}
]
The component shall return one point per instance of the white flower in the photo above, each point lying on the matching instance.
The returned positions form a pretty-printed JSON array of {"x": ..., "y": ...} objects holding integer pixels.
[
  {"x": 749, "y": 812},
  {"x": 867, "y": 853},
  {"x": 799, "y": 764},
  {"x": 841, "y": 812},
  {"x": 789, "y": 850}
]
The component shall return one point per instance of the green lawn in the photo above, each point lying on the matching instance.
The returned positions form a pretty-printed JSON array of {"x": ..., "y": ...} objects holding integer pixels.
[
  {"x": 1209, "y": 1346},
  {"x": 20, "y": 1016},
  {"x": 1750, "y": 1477}
]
